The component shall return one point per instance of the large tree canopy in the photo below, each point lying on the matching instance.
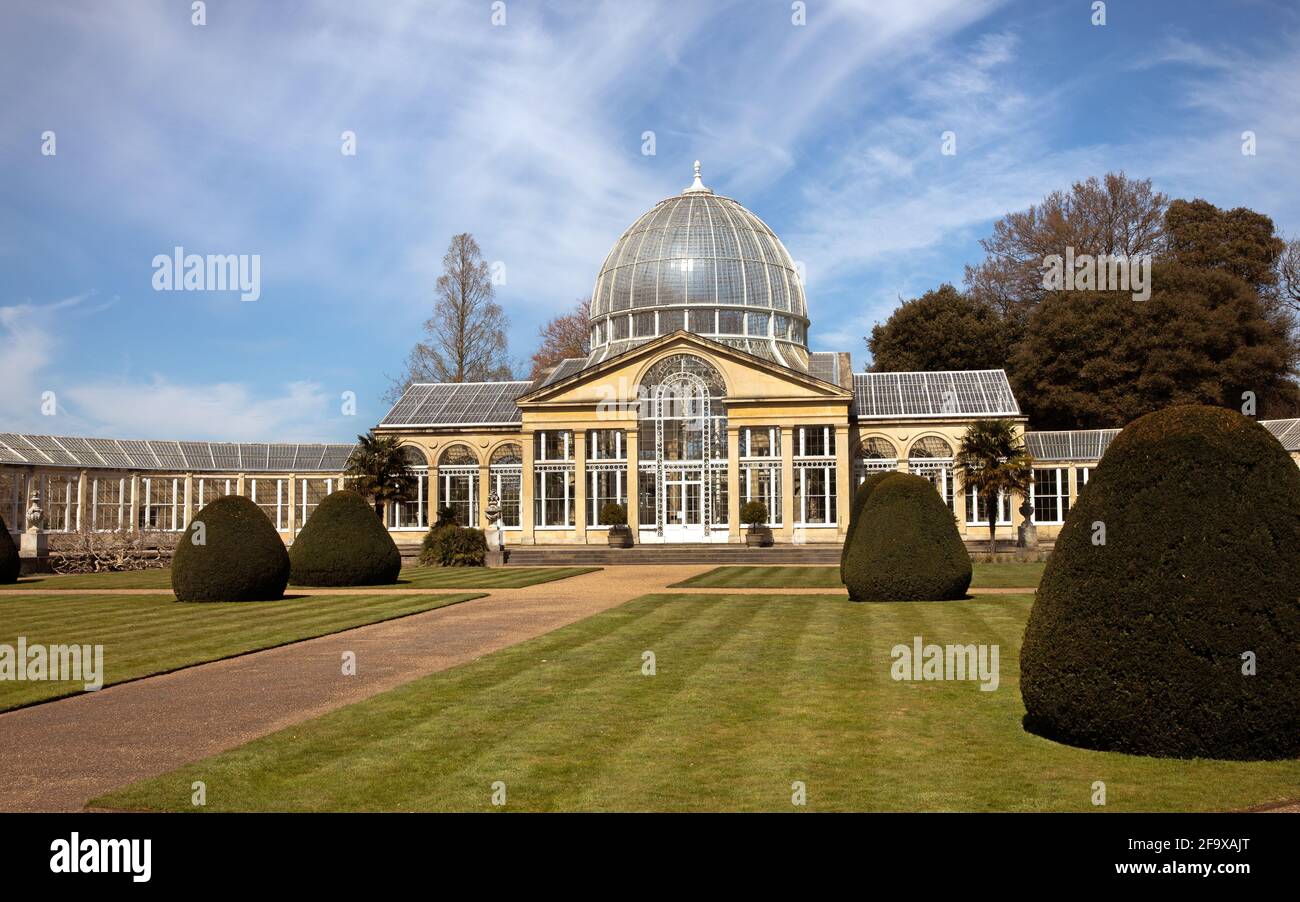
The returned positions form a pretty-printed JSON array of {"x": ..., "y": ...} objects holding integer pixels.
[
  {"x": 1100, "y": 359},
  {"x": 1111, "y": 215},
  {"x": 943, "y": 329}
]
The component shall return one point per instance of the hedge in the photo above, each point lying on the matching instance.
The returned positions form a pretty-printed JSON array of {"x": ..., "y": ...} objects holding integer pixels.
[
  {"x": 343, "y": 543},
  {"x": 1176, "y": 569},
  {"x": 10, "y": 565},
  {"x": 238, "y": 555}
]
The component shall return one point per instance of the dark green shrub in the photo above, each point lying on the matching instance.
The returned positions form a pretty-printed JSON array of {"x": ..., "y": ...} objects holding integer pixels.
[
  {"x": 241, "y": 557},
  {"x": 906, "y": 546},
  {"x": 753, "y": 514},
  {"x": 454, "y": 546},
  {"x": 429, "y": 545},
  {"x": 1137, "y": 645},
  {"x": 855, "y": 511},
  {"x": 343, "y": 543},
  {"x": 613, "y": 514},
  {"x": 10, "y": 565}
]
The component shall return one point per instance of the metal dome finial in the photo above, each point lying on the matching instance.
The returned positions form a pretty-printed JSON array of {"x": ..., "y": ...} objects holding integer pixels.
[{"x": 697, "y": 187}]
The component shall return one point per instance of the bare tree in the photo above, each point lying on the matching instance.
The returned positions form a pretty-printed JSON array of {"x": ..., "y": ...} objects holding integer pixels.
[
  {"x": 1288, "y": 272},
  {"x": 567, "y": 335},
  {"x": 1112, "y": 215},
  {"x": 465, "y": 338}
]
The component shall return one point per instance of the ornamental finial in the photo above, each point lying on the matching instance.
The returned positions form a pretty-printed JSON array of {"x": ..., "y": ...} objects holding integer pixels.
[{"x": 697, "y": 187}]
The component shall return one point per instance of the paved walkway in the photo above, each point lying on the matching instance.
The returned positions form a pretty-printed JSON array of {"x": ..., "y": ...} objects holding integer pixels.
[{"x": 60, "y": 754}]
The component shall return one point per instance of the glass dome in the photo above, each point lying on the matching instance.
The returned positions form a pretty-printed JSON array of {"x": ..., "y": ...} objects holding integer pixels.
[{"x": 703, "y": 263}]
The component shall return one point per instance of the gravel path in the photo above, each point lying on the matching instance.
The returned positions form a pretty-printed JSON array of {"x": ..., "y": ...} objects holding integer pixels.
[{"x": 60, "y": 754}]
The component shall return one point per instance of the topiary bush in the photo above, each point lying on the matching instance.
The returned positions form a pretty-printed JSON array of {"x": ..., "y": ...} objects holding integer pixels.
[
  {"x": 240, "y": 556},
  {"x": 753, "y": 514},
  {"x": 10, "y": 565},
  {"x": 454, "y": 546},
  {"x": 905, "y": 546},
  {"x": 1136, "y": 639},
  {"x": 343, "y": 543},
  {"x": 855, "y": 512}
]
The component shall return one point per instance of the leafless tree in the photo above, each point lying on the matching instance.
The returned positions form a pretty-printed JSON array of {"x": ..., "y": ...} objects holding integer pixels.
[{"x": 465, "y": 338}]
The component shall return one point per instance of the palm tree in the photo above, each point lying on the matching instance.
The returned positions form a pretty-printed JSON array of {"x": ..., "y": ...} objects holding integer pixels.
[
  {"x": 992, "y": 460},
  {"x": 379, "y": 471}
]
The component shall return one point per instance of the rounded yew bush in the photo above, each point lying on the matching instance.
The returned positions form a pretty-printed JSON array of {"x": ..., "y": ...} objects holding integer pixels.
[
  {"x": 343, "y": 543},
  {"x": 230, "y": 552},
  {"x": 855, "y": 512},
  {"x": 1167, "y": 621},
  {"x": 10, "y": 565},
  {"x": 905, "y": 546}
]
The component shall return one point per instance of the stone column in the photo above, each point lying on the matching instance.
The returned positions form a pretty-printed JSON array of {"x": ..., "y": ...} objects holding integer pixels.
[
  {"x": 526, "y": 535},
  {"x": 82, "y": 517},
  {"x": 189, "y": 499},
  {"x": 733, "y": 483},
  {"x": 580, "y": 484},
  {"x": 291, "y": 522},
  {"x": 959, "y": 501},
  {"x": 632, "y": 480},
  {"x": 484, "y": 488},
  {"x": 843, "y": 479},
  {"x": 787, "y": 480},
  {"x": 134, "y": 524}
]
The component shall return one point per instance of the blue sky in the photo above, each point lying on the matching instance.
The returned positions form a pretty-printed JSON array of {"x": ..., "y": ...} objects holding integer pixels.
[{"x": 225, "y": 139}]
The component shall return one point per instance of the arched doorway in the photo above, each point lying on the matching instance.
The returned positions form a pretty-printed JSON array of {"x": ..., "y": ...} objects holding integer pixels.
[{"x": 683, "y": 452}]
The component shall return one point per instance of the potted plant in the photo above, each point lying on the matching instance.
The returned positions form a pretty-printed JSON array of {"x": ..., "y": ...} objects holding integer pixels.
[
  {"x": 755, "y": 514},
  {"x": 615, "y": 517}
]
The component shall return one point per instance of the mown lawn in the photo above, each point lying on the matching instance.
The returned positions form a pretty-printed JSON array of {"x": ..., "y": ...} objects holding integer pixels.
[
  {"x": 150, "y": 634},
  {"x": 986, "y": 576},
  {"x": 411, "y": 578},
  {"x": 751, "y": 694}
]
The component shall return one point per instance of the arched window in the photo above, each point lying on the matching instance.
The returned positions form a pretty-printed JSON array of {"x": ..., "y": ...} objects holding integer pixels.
[
  {"x": 877, "y": 448},
  {"x": 458, "y": 481},
  {"x": 683, "y": 448},
  {"x": 414, "y": 457},
  {"x": 457, "y": 456},
  {"x": 930, "y": 446},
  {"x": 505, "y": 479},
  {"x": 876, "y": 454},
  {"x": 931, "y": 457}
]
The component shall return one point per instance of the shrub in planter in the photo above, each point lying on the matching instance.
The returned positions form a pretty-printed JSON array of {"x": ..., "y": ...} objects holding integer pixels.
[
  {"x": 455, "y": 546},
  {"x": 614, "y": 516},
  {"x": 906, "y": 546},
  {"x": 855, "y": 511},
  {"x": 754, "y": 515},
  {"x": 343, "y": 543},
  {"x": 1174, "y": 574},
  {"x": 9, "y": 562},
  {"x": 230, "y": 552}
]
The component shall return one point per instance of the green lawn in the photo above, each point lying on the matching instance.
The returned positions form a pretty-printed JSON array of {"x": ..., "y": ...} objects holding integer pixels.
[
  {"x": 987, "y": 576},
  {"x": 411, "y": 578},
  {"x": 151, "y": 634},
  {"x": 752, "y": 693}
]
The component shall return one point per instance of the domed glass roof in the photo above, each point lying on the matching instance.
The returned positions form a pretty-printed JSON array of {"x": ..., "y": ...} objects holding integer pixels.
[{"x": 703, "y": 263}]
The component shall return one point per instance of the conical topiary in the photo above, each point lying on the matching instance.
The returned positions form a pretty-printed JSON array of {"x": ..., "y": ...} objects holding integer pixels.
[
  {"x": 230, "y": 552},
  {"x": 10, "y": 565},
  {"x": 855, "y": 512},
  {"x": 906, "y": 546},
  {"x": 343, "y": 543},
  {"x": 1167, "y": 620}
]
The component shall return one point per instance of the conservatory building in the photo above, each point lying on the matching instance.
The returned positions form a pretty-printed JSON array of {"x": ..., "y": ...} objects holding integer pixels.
[{"x": 700, "y": 393}]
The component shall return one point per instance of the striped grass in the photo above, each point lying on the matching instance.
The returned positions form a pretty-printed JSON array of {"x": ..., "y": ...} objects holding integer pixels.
[
  {"x": 410, "y": 578},
  {"x": 751, "y": 695},
  {"x": 986, "y": 576},
  {"x": 151, "y": 634}
]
